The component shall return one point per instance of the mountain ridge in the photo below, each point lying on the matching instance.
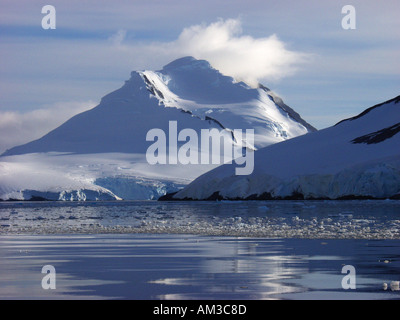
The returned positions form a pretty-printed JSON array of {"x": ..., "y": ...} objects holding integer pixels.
[
  {"x": 357, "y": 159},
  {"x": 220, "y": 98},
  {"x": 101, "y": 153}
]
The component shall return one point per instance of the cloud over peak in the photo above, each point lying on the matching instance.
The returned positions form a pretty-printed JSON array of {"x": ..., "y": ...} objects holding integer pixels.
[{"x": 243, "y": 57}]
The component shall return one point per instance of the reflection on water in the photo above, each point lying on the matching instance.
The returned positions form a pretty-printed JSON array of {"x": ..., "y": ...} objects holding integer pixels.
[{"x": 196, "y": 267}]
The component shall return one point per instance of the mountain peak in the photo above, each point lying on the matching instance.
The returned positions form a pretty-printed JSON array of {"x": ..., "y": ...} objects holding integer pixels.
[
  {"x": 149, "y": 98},
  {"x": 102, "y": 153},
  {"x": 187, "y": 63}
]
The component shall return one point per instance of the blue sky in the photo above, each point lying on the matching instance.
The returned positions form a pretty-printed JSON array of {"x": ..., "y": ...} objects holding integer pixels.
[{"x": 324, "y": 72}]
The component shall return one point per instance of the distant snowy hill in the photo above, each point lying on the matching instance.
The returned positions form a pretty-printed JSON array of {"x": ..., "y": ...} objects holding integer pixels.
[
  {"x": 100, "y": 154},
  {"x": 357, "y": 158}
]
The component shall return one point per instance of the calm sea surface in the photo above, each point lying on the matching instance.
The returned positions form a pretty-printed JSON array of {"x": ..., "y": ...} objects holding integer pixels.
[{"x": 202, "y": 250}]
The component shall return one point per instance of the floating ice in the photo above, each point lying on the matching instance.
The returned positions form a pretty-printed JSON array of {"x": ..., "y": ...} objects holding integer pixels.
[
  {"x": 205, "y": 218},
  {"x": 395, "y": 285}
]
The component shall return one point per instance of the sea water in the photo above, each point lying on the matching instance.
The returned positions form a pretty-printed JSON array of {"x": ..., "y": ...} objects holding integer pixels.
[
  {"x": 270, "y": 219},
  {"x": 200, "y": 250}
]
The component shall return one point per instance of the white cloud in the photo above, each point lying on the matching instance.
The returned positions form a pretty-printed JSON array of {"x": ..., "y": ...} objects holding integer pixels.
[
  {"x": 19, "y": 128},
  {"x": 221, "y": 43},
  {"x": 241, "y": 56}
]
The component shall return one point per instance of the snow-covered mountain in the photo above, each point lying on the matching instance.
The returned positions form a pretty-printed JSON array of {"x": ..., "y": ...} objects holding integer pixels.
[
  {"x": 101, "y": 153},
  {"x": 356, "y": 158}
]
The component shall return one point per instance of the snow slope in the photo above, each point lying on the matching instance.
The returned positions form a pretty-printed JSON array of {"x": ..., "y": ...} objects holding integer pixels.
[
  {"x": 102, "y": 151},
  {"x": 188, "y": 91},
  {"x": 358, "y": 157}
]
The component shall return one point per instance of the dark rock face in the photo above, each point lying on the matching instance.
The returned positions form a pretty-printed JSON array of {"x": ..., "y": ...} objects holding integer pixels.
[{"x": 379, "y": 136}]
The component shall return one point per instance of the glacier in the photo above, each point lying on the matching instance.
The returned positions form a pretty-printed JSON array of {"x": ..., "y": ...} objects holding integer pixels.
[
  {"x": 357, "y": 158},
  {"x": 100, "y": 154}
]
